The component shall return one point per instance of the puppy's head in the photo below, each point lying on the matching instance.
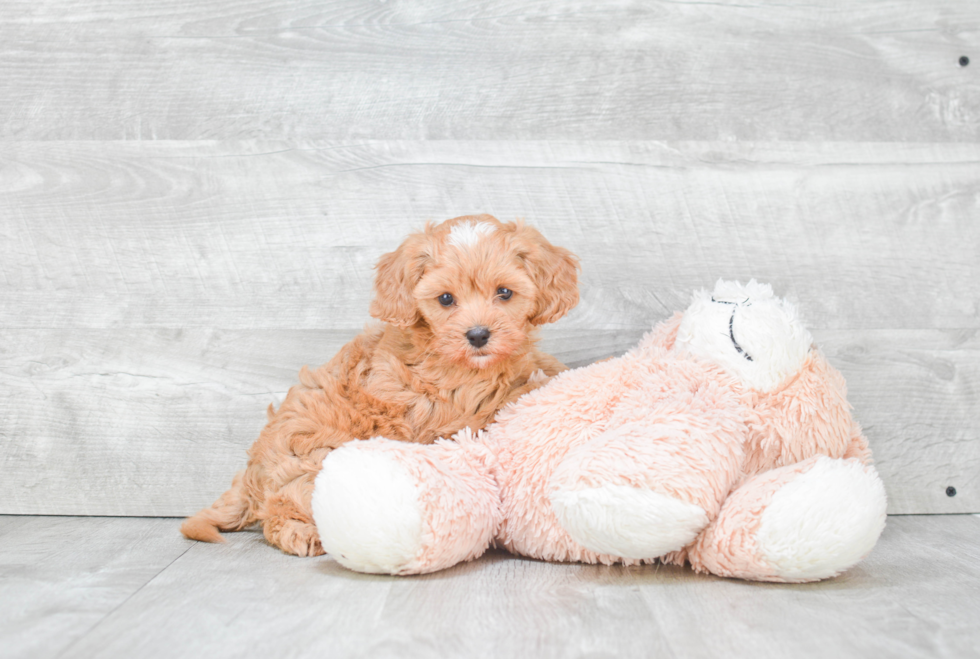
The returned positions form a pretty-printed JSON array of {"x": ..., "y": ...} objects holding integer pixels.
[{"x": 477, "y": 286}]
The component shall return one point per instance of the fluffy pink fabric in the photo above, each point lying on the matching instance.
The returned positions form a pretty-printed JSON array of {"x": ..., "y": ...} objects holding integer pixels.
[
  {"x": 727, "y": 547},
  {"x": 808, "y": 415},
  {"x": 675, "y": 429}
]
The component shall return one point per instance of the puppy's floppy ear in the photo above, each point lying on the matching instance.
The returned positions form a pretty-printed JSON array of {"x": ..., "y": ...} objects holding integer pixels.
[
  {"x": 554, "y": 271},
  {"x": 397, "y": 274}
]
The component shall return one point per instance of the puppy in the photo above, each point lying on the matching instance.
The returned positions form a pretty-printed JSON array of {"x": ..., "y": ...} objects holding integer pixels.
[{"x": 460, "y": 303}]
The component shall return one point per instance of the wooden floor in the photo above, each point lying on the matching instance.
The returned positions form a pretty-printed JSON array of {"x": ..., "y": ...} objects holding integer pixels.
[{"x": 133, "y": 587}]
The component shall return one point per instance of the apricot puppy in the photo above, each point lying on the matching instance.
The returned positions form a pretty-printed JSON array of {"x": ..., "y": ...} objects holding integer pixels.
[{"x": 460, "y": 303}]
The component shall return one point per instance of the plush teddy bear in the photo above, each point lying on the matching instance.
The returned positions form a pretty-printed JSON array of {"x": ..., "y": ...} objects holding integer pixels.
[{"x": 724, "y": 439}]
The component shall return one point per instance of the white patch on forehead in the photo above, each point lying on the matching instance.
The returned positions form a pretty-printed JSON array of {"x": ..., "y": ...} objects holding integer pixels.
[{"x": 466, "y": 234}]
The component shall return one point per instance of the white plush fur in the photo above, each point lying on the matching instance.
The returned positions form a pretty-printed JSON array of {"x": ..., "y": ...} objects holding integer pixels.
[
  {"x": 466, "y": 234},
  {"x": 766, "y": 328},
  {"x": 824, "y": 521},
  {"x": 366, "y": 509},
  {"x": 625, "y": 521}
]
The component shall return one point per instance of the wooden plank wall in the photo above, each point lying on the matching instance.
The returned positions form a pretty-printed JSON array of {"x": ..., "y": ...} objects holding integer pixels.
[{"x": 192, "y": 195}]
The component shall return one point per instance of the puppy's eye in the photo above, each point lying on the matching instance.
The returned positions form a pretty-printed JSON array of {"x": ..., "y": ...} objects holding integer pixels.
[
  {"x": 446, "y": 299},
  {"x": 504, "y": 293}
]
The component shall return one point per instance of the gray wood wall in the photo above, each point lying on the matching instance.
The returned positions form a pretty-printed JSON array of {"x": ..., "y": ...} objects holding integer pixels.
[{"x": 192, "y": 195}]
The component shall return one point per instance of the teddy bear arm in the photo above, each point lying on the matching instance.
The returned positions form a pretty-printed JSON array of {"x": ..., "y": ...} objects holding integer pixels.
[
  {"x": 644, "y": 489},
  {"x": 390, "y": 507},
  {"x": 810, "y": 417}
]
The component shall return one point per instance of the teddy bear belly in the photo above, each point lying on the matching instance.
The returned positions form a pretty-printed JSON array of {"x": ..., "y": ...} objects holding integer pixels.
[{"x": 534, "y": 443}]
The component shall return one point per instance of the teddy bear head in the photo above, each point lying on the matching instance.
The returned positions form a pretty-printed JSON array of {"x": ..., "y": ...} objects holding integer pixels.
[
  {"x": 797, "y": 401},
  {"x": 748, "y": 331}
]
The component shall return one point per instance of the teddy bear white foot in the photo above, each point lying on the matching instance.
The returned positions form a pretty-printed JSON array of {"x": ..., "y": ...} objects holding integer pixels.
[
  {"x": 626, "y": 521},
  {"x": 803, "y": 522},
  {"x": 367, "y": 511},
  {"x": 824, "y": 521},
  {"x": 392, "y": 507}
]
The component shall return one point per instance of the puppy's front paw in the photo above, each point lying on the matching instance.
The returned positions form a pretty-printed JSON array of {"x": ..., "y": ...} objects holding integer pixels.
[{"x": 293, "y": 536}]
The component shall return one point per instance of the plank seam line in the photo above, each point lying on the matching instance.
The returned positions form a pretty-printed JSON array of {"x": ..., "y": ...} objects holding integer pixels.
[
  {"x": 966, "y": 514},
  {"x": 121, "y": 604}
]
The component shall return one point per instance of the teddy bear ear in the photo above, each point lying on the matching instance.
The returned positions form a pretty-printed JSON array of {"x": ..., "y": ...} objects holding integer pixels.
[
  {"x": 735, "y": 292},
  {"x": 554, "y": 271},
  {"x": 664, "y": 334},
  {"x": 397, "y": 274}
]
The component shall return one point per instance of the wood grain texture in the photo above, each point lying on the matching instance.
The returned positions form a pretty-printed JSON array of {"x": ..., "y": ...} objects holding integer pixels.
[
  {"x": 156, "y": 422},
  {"x": 274, "y": 235},
  {"x": 192, "y": 196},
  {"x": 914, "y": 596},
  {"x": 158, "y": 296},
  {"x": 221, "y": 69},
  {"x": 915, "y": 394},
  {"x": 60, "y": 576},
  {"x": 906, "y": 600}
]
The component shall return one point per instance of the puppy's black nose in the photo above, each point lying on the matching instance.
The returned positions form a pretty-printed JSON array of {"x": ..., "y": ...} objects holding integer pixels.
[{"x": 478, "y": 336}]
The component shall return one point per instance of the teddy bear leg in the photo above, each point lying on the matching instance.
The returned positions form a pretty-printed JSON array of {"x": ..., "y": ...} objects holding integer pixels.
[
  {"x": 802, "y": 522},
  {"x": 641, "y": 491},
  {"x": 390, "y": 507}
]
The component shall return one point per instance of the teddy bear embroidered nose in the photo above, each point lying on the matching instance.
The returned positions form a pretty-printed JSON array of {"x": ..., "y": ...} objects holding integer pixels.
[
  {"x": 731, "y": 323},
  {"x": 478, "y": 336}
]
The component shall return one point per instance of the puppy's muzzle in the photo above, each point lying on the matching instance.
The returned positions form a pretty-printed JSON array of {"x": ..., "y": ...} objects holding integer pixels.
[{"x": 478, "y": 336}]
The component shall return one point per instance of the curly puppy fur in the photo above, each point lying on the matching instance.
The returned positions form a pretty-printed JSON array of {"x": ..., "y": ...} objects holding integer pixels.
[{"x": 421, "y": 374}]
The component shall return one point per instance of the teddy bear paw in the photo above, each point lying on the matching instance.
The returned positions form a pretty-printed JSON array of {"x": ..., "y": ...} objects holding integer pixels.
[
  {"x": 822, "y": 522},
  {"x": 366, "y": 508},
  {"x": 627, "y": 522}
]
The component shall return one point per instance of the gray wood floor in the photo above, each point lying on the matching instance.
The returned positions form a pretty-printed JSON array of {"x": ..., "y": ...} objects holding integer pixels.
[{"x": 133, "y": 587}]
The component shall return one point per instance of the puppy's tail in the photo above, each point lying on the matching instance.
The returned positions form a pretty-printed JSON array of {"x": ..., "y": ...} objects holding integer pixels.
[{"x": 231, "y": 512}]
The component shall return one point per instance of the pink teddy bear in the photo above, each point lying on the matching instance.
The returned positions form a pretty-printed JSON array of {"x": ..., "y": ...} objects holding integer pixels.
[{"x": 724, "y": 439}]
